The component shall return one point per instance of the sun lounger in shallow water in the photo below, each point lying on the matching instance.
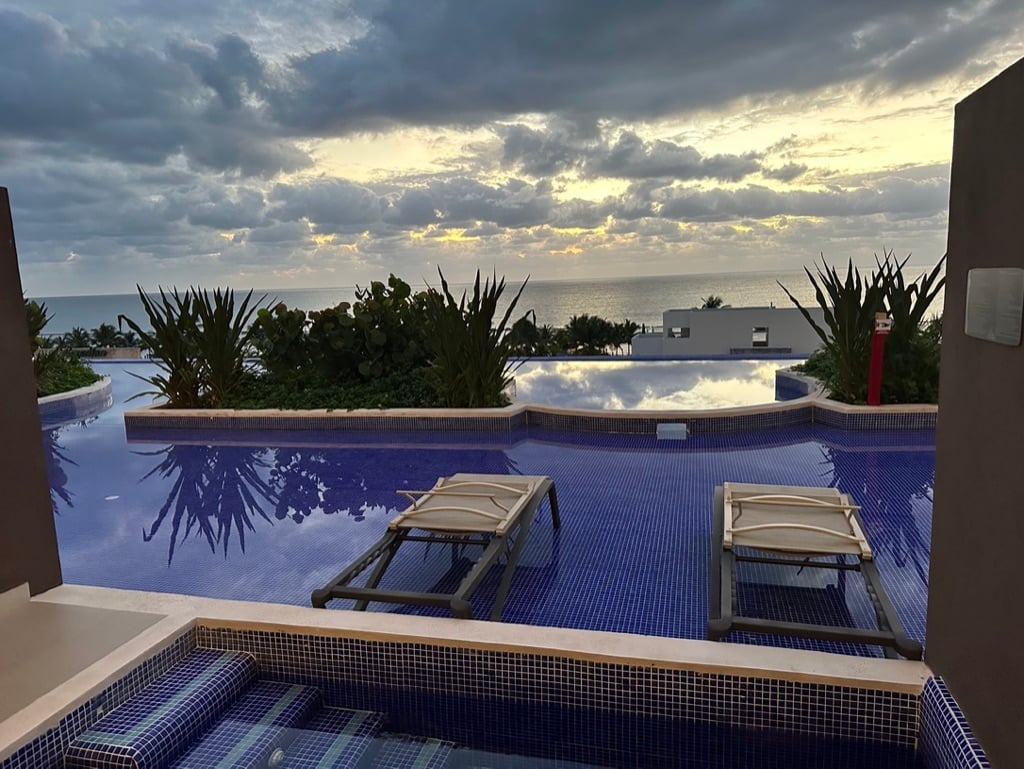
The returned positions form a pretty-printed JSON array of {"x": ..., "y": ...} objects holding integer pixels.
[
  {"x": 790, "y": 526},
  {"x": 492, "y": 511}
]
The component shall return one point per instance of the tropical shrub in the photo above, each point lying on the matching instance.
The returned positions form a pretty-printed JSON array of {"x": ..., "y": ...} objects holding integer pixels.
[
  {"x": 381, "y": 332},
  {"x": 470, "y": 353},
  {"x": 60, "y": 370},
  {"x": 279, "y": 336},
  {"x": 849, "y": 307},
  {"x": 199, "y": 342},
  {"x": 400, "y": 389}
]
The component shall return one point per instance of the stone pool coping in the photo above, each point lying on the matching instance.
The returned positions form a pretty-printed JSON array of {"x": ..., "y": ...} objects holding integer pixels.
[
  {"x": 76, "y": 404},
  {"x": 181, "y": 613},
  {"x": 811, "y": 408}
]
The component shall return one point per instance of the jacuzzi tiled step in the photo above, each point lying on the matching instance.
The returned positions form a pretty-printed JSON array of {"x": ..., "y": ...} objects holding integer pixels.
[
  {"x": 333, "y": 739},
  {"x": 399, "y": 751},
  {"x": 261, "y": 721},
  {"x": 161, "y": 720}
]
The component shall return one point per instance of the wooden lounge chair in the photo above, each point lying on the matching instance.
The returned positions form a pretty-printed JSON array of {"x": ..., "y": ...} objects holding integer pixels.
[
  {"x": 791, "y": 526},
  {"x": 492, "y": 511}
]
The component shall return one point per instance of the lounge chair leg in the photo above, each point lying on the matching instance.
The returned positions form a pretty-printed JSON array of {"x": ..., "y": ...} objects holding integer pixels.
[{"x": 556, "y": 516}]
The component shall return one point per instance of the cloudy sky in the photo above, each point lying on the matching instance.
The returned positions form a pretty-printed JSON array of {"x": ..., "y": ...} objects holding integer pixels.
[{"x": 295, "y": 143}]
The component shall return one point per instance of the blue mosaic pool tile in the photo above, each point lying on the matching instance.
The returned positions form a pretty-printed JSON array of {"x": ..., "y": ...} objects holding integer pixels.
[
  {"x": 407, "y": 752},
  {"x": 947, "y": 741},
  {"x": 47, "y": 751},
  {"x": 334, "y": 738},
  {"x": 146, "y": 423},
  {"x": 365, "y": 674},
  {"x": 156, "y": 724},
  {"x": 263, "y": 720}
]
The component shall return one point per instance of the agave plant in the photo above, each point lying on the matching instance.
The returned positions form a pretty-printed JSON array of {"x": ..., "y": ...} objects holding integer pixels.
[
  {"x": 849, "y": 307},
  {"x": 199, "y": 342},
  {"x": 470, "y": 366},
  {"x": 222, "y": 341},
  {"x": 37, "y": 317},
  {"x": 172, "y": 338}
]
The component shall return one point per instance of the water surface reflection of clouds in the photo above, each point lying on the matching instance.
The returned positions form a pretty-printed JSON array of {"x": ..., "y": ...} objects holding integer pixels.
[{"x": 655, "y": 385}]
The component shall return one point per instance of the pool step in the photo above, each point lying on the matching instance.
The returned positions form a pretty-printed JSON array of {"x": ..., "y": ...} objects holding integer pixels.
[
  {"x": 159, "y": 722},
  {"x": 333, "y": 739},
  {"x": 399, "y": 751},
  {"x": 259, "y": 724}
]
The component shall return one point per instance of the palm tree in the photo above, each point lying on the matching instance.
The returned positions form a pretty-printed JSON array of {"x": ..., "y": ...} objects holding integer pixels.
[
  {"x": 711, "y": 302},
  {"x": 78, "y": 339},
  {"x": 106, "y": 335}
]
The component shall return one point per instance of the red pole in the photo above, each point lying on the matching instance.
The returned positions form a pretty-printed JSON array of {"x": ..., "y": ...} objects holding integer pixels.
[{"x": 882, "y": 327}]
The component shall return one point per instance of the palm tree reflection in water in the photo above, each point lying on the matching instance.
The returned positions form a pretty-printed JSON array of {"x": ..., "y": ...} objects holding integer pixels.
[
  {"x": 217, "y": 490},
  {"x": 887, "y": 499},
  {"x": 55, "y": 460}
]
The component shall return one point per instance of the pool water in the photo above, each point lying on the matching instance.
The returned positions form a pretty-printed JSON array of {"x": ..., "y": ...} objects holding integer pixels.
[
  {"x": 272, "y": 516},
  {"x": 628, "y": 383}
]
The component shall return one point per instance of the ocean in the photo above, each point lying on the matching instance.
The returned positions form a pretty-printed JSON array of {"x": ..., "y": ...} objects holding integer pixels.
[{"x": 640, "y": 299}]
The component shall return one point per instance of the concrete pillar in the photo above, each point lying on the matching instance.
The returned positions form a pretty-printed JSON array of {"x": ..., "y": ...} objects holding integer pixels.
[{"x": 28, "y": 538}]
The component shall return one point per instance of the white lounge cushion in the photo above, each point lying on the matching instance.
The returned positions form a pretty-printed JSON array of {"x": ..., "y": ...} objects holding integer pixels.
[
  {"x": 793, "y": 519},
  {"x": 470, "y": 503}
]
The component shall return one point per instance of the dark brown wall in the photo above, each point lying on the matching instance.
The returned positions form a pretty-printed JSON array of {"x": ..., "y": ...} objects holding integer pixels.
[
  {"x": 28, "y": 541},
  {"x": 975, "y": 606}
]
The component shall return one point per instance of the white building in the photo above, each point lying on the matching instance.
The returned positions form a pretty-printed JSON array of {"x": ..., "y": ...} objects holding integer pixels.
[{"x": 731, "y": 331}]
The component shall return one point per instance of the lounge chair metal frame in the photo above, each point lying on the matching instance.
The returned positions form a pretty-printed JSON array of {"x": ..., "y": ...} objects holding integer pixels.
[
  {"x": 722, "y": 609},
  {"x": 506, "y": 535}
]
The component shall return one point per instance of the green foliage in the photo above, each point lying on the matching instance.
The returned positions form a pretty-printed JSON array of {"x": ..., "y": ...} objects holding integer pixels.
[
  {"x": 849, "y": 308},
  {"x": 381, "y": 332},
  {"x": 222, "y": 340},
  {"x": 37, "y": 318},
  {"x": 60, "y": 370},
  {"x": 711, "y": 302},
  {"x": 820, "y": 365},
  {"x": 401, "y": 389},
  {"x": 105, "y": 335},
  {"x": 199, "y": 343},
  {"x": 78, "y": 338},
  {"x": 470, "y": 366},
  {"x": 588, "y": 335},
  {"x": 171, "y": 339},
  {"x": 911, "y": 364},
  {"x": 279, "y": 336}
]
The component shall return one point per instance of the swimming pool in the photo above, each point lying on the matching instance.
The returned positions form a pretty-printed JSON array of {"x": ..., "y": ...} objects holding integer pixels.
[{"x": 270, "y": 517}]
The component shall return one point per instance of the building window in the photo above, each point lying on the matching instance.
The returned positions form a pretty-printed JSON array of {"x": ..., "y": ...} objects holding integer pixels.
[
  {"x": 760, "y": 336},
  {"x": 682, "y": 333}
]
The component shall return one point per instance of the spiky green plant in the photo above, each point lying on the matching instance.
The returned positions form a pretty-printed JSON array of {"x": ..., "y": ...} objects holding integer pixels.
[
  {"x": 172, "y": 339},
  {"x": 470, "y": 365},
  {"x": 199, "y": 342},
  {"x": 222, "y": 341},
  {"x": 37, "y": 317},
  {"x": 849, "y": 307}
]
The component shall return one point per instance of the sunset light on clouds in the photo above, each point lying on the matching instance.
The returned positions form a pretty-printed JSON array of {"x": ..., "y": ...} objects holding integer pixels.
[{"x": 326, "y": 143}]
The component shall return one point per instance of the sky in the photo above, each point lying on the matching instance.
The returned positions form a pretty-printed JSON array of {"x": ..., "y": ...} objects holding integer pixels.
[{"x": 319, "y": 143}]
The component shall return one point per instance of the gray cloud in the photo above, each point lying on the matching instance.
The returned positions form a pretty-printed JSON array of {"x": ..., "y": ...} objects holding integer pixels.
[
  {"x": 626, "y": 156},
  {"x": 469, "y": 61},
  {"x": 134, "y": 104},
  {"x": 786, "y": 173}
]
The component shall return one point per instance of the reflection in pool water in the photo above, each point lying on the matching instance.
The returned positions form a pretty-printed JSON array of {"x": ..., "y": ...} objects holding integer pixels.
[{"x": 642, "y": 384}]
